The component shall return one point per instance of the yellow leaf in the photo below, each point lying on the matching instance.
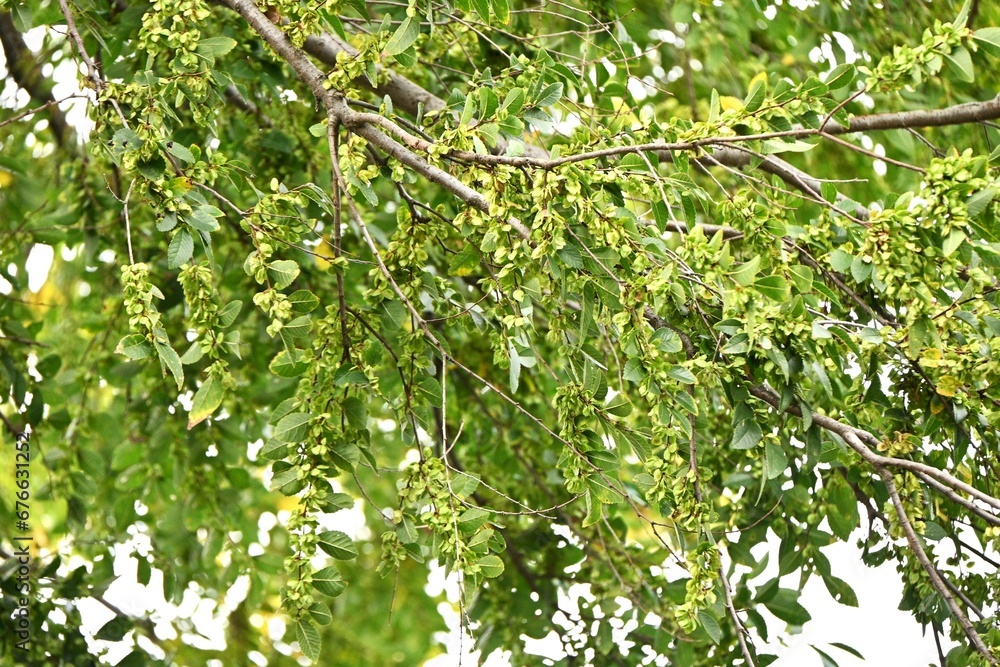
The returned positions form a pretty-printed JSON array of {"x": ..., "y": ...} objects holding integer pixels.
[
  {"x": 6, "y": 178},
  {"x": 729, "y": 103}
]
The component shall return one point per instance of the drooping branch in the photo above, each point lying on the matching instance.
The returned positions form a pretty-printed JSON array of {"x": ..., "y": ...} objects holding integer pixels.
[{"x": 883, "y": 465}]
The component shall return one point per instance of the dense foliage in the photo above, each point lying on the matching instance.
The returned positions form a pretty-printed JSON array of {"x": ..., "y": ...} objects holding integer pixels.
[{"x": 642, "y": 296}]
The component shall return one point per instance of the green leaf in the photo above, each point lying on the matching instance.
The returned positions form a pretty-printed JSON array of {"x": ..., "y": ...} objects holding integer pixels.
[
  {"x": 170, "y": 361},
  {"x": 840, "y": 591},
  {"x": 978, "y": 202},
  {"x": 785, "y": 605},
  {"x": 328, "y": 581},
  {"x": 491, "y": 566},
  {"x": 134, "y": 346},
  {"x": 755, "y": 97},
  {"x": 180, "y": 249},
  {"x": 472, "y": 519},
  {"x": 514, "y": 101},
  {"x": 303, "y": 301},
  {"x": 297, "y": 328},
  {"x": 843, "y": 515},
  {"x": 309, "y": 639},
  {"x": 840, "y": 260},
  {"x": 710, "y": 626},
  {"x": 502, "y": 9},
  {"x": 180, "y": 151},
  {"x": 619, "y": 406},
  {"x": 549, "y": 95},
  {"x": 22, "y": 16},
  {"x": 284, "y": 366},
  {"x": 841, "y": 76},
  {"x": 961, "y": 61},
  {"x": 320, "y": 613},
  {"x": 775, "y": 461},
  {"x": 283, "y": 272},
  {"x": 228, "y": 313},
  {"x": 115, "y": 629},
  {"x": 404, "y": 37},
  {"x": 853, "y": 651},
  {"x": 356, "y": 413},
  {"x": 214, "y": 47},
  {"x": 292, "y": 427},
  {"x": 338, "y": 545},
  {"x": 202, "y": 219},
  {"x": 464, "y": 262},
  {"x": 319, "y": 129},
  {"x": 206, "y": 400},
  {"x": 989, "y": 40},
  {"x": 746, "y": 272},
  {"x": 746, "y": 435},
  {"x": 682, "y": 375},
  {"x": 773, "y": 287}
]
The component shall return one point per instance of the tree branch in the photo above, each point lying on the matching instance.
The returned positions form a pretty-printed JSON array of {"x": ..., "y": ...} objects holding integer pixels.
[{"x": 27, "y": 73}]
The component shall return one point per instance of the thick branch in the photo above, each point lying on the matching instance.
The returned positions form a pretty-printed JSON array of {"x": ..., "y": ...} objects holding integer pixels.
[
  {"x": 405, "y": 94},
  {"x": 27, "y": 73},
  {"x": 959, "y": 114}
]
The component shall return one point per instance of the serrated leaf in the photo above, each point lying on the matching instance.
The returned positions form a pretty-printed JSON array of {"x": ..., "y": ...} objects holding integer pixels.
[
  {"x": 502, "y": 9},
  {"x": 206, "y": 401},
  {"x": 989, "y": 40},
  {"x": 841, "y": 76},
  {"x": 328, "y": 581},
  {"x": 746, "y": 272},
  {"x": 961, "y": 61},
  {"x": 472, "y": 519},
  {"x": 309, "y": 640},
  {"x": 773, "y": 287},
  {"x": 756, "y": 95},
  {"x": 785, "y": 605},
  {"x": 292, "y": 427},
  {"x": 167, "y": 222},
  {"x": 170, "y": 361},
  {"x": 841, "y": 591},
  {"x": 284, "y": 366},
  {"x": 549, "y": 95},
  {"x": 338, "y": 545},
  {"x": 21, "y": 15},
  {"x": 775, "y": 461},
  {"x": 180, "y": 151},
  {"x": 134, "y": 346},
  {"x": 356, "y": 413},
  {"x": 710, "y": 626},
  {"x": 978, "y": 202},
  {"x": 214, "y": 47},
  {"x": 180, "y": 249},
  {"x": 746, "y": 435},
  {"x": 228, "y": 313},
  {"x": 303, "y": 301},
  {"x": 283, "y": 272},
  {"x": 514, "y": 101},
  {"x": 202, "y": 219},
  {"x": 320, "y": 613},
  {"x": 297, "y": 328},
  {"x": 404, "y": 37},
  {"x": 491, "y": 566},
  {"x": 682, "y": 374},
  {"x": 840, "y": 260}
]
